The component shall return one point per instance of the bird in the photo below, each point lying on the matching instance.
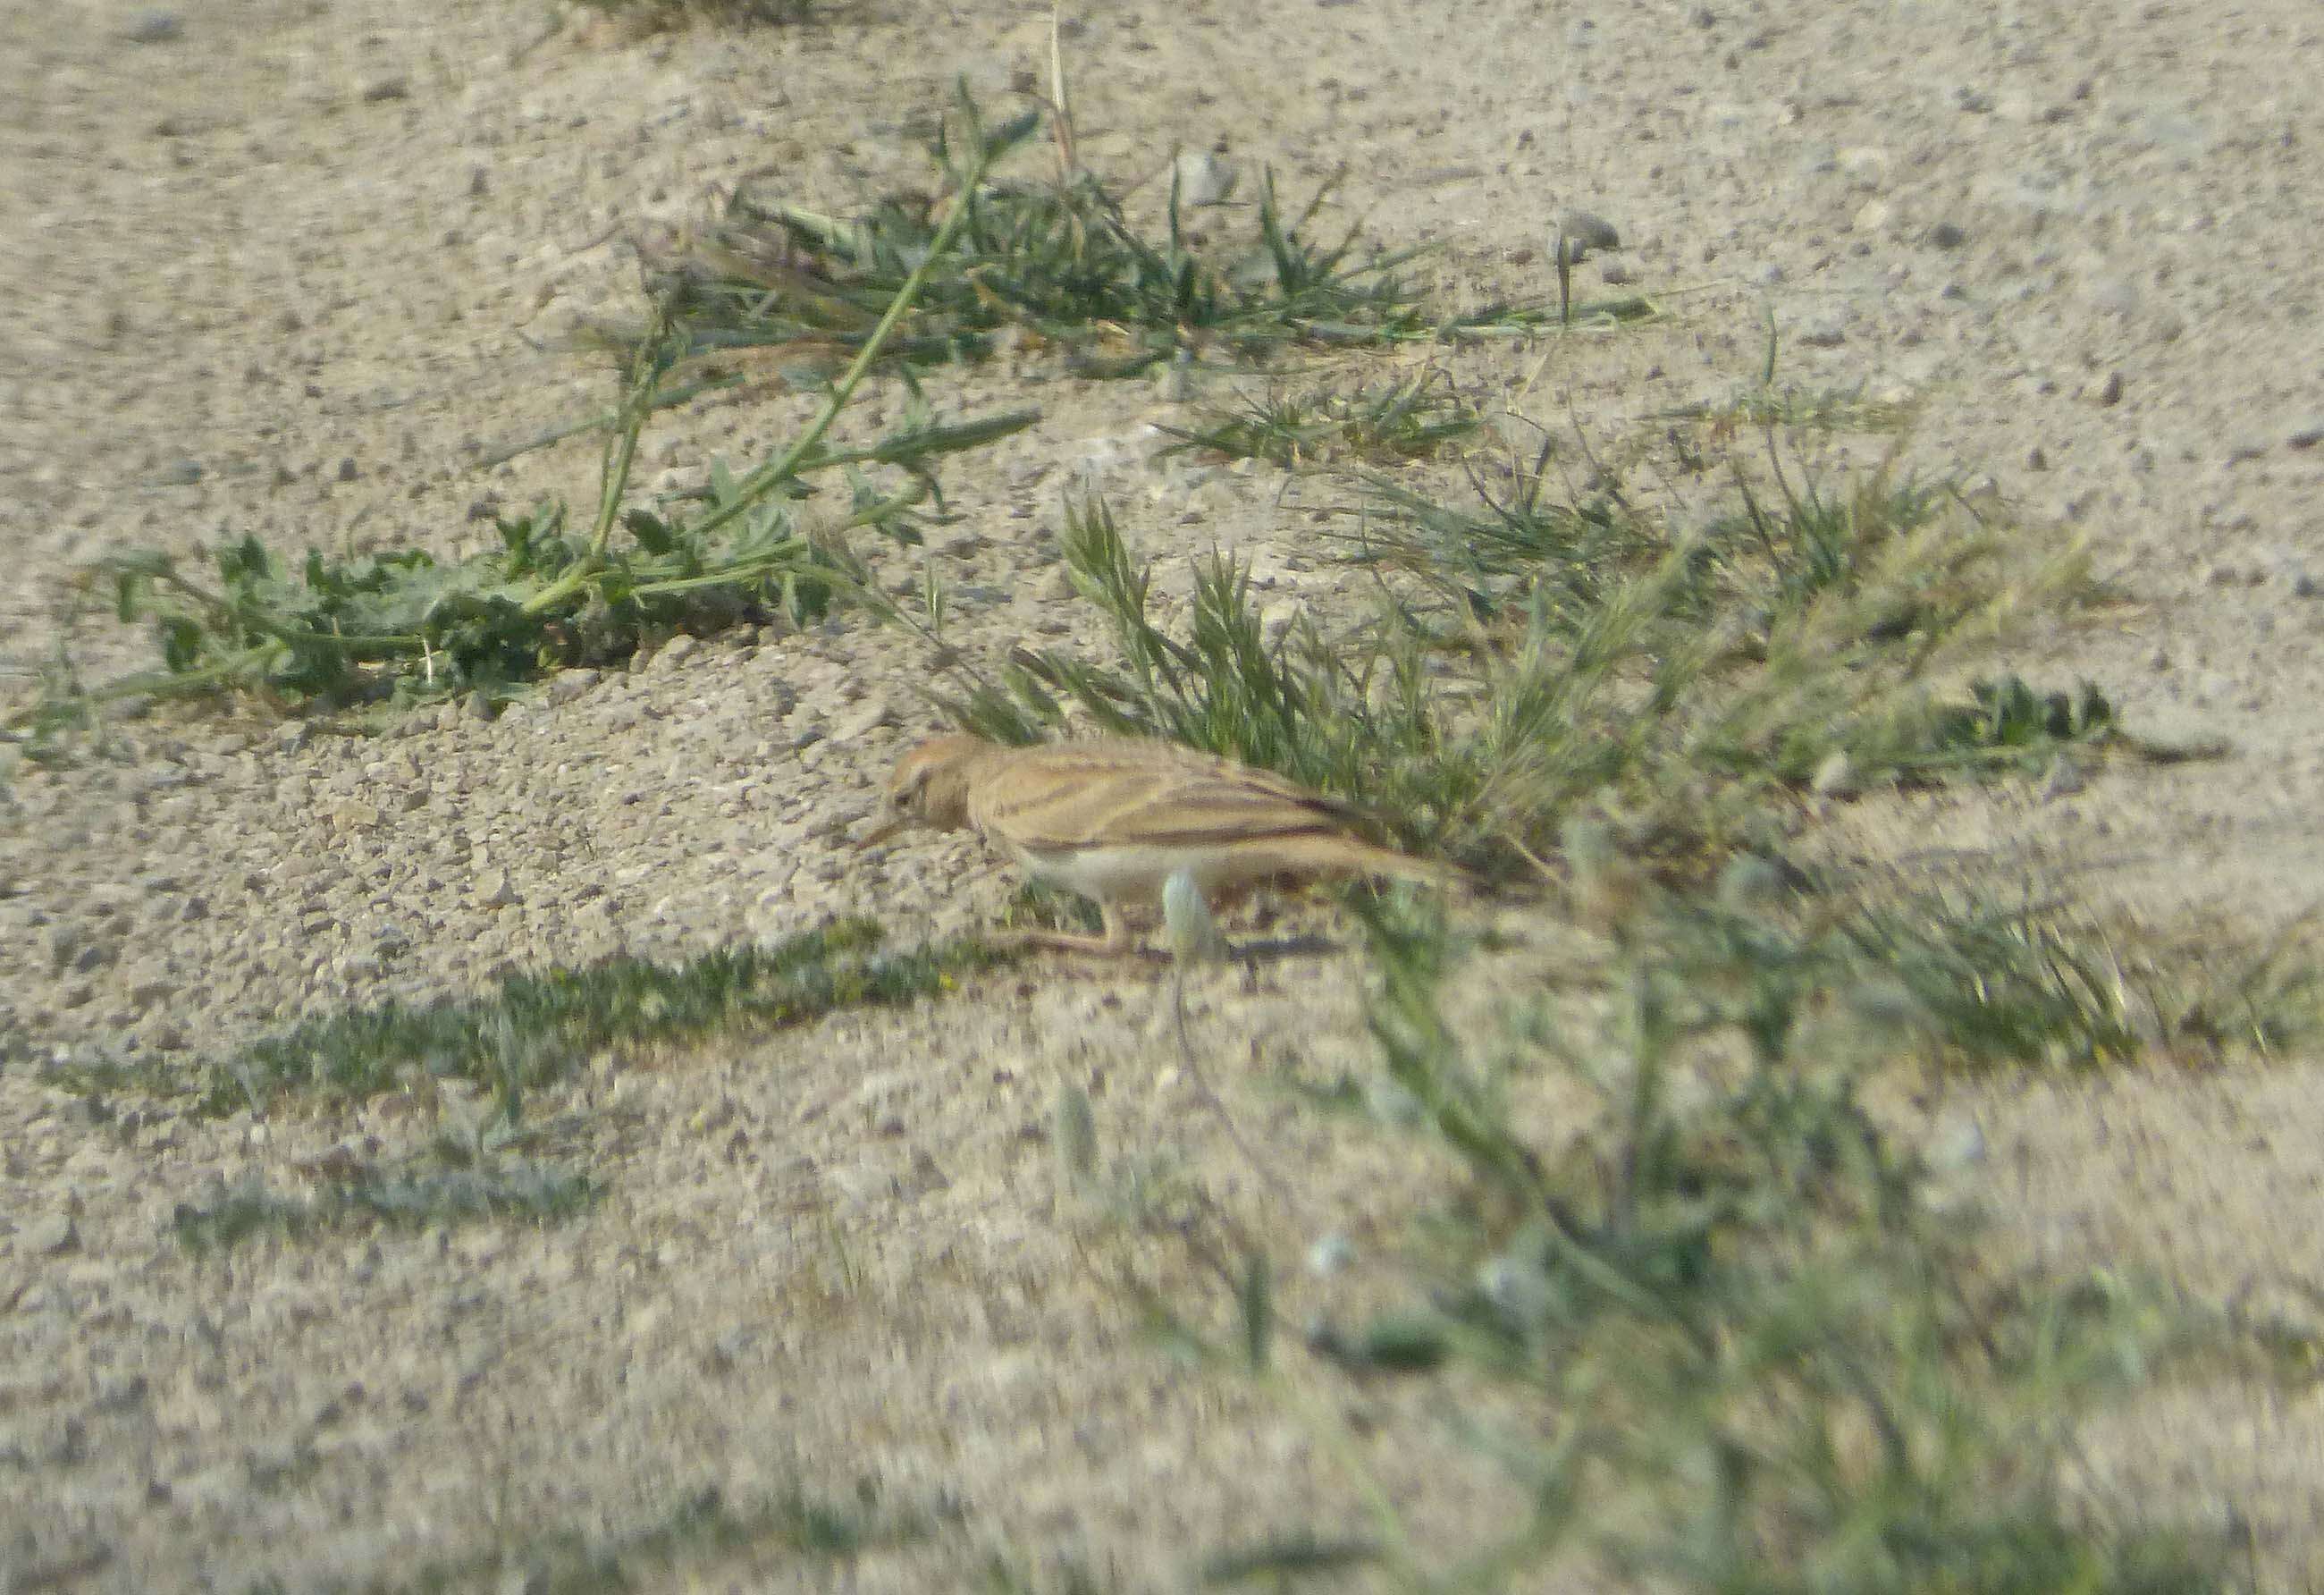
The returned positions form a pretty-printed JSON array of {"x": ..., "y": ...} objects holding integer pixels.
[{"x": 1116, "y": 819}]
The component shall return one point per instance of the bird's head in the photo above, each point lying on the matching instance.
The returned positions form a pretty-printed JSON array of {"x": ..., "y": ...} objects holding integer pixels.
[{"x": 930, "y": 787}]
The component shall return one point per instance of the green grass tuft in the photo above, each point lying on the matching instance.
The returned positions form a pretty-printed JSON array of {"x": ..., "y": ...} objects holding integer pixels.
[
  {"x": 400, "y": 627},
  {"x": 1526, "y": 661},
  {"x": 1414, "y": 419},
  {"x": 1726, "y": 1338},
  {"x": 1059, "y": 262},
  {"x": 1795, "y": 409}
]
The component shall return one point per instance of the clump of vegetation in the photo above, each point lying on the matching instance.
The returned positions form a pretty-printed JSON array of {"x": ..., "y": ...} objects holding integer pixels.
[
  {"x": 326, "y": 633},
  {"x": 1412, "y": 419},
  {"x": 402, "y": 627},
  {"x": 1729, "y": 1339},
  {"x": 1526, "y": 661},
  {"x": 1980, "y": 977},
  {"x": 1061, "y": 263},
  {"x": 1793, "y": 410},
  {"x": 1766, "y": 405},
  {"x": 917, "y": 279}
]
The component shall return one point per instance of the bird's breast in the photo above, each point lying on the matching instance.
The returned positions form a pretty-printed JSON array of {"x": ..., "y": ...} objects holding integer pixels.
[{"x": 1134, "y": 873}]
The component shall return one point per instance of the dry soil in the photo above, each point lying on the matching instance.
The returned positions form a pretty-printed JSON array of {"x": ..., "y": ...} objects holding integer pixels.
[{"x": 289, "y": 267}]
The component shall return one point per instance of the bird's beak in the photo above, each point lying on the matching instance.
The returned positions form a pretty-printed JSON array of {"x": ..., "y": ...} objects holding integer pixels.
[{"x": 882, "y": 831}]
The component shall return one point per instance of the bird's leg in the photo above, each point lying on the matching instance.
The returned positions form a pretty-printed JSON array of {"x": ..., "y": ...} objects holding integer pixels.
[
  {"x": 1115, "y": 942},
  {"x": 1194, "y": 933}
]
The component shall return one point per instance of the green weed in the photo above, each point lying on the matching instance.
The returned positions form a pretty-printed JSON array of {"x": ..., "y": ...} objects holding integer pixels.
[
  {"x": 1525, "y": 660},
  {"x": 1298, "y": 706},
  {"x": 401, "y": 626},
  {"x": 1494, "y": 558},
  {"x": 1412, "y": 419},
  {"x": 1795, "y": 409},
  {"x": 1723, "y": 1341},
  {"x": 1058, "y": 263},
  {"x": 1766, "y": 407}
]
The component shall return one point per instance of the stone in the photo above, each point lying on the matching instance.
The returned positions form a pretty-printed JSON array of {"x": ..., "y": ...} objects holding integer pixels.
[
  {"x": 52, "y": 1236},
  {"x": 866, "y": 717},
  {"x": 155, "y": 27}
]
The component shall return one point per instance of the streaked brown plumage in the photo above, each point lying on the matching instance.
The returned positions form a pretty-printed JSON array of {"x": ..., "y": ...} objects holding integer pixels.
[{"x": 1114, "y": 820}]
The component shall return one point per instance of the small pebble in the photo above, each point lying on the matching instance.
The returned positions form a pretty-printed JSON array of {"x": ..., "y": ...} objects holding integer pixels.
[
  {"x": 866, "y": 717},
  {"x": 52, "y": 1235},
  {"x": 352, "y": 814},
  {"x": 1955, "y": 1142},
  {"x": 2063, "y": 780},
  {"x": 1865, "y": 166},
  {"x": 1073, "y": 1130},
  {"x": 1835, "y": 777}
]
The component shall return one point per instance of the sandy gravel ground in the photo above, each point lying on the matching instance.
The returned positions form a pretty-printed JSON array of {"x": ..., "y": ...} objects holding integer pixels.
[{"x": 287, "y": 267}]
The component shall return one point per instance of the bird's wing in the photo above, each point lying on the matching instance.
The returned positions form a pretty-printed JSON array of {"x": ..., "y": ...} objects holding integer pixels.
[{"x": 1133, "y": 794}]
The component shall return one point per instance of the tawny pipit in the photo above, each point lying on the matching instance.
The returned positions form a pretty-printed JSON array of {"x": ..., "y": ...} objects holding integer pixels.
[{"x": 1115, "y": 819}]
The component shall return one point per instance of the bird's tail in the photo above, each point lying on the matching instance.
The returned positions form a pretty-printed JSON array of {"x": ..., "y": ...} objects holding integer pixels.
[{"x": 1346, "y": 855}]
